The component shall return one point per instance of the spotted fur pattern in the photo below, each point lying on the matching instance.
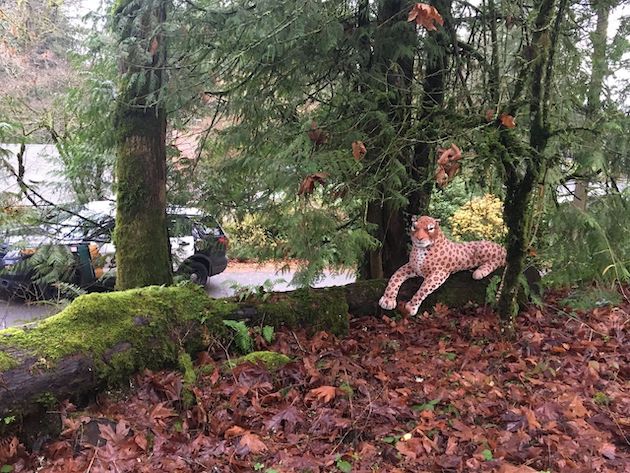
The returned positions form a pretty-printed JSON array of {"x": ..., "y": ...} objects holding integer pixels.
[{"x": 434, "y": 258}]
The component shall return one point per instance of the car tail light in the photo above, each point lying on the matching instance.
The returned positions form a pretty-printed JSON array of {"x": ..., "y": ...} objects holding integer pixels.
[{"x": 223, "y": 240}]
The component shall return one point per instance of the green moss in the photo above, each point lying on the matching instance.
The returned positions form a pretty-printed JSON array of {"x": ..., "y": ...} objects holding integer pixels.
[
  {"x": 271, "y": 359},
  {"x": 186, "y": 365},
  {"x": 7, "y": 361},
  {"x": 124, "y": 331},
  {"x": 325, "y": 309}
]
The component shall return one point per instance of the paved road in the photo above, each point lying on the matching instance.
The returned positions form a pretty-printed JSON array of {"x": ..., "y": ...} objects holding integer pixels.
[{"x": 222, "y": 285}]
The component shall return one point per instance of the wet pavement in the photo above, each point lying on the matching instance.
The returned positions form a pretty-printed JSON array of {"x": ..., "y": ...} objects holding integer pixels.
[{"x": 238, "y": 276}]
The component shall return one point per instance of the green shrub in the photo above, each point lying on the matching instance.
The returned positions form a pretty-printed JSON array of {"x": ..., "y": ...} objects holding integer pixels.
[
  {"x": 252, "y": 239},
  {"x": 582, "y": 247}
]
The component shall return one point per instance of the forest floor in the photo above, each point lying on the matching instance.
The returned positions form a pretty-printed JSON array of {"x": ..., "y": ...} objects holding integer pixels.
[{"x": 440, "y": 392}]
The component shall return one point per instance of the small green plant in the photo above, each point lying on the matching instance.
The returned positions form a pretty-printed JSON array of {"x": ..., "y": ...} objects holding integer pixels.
[
  {"x": 392, "y": 439},
  {"x": 268, "y": 333},
  {"x": 343, "y": 466},
  {"x": 601, "y": 399},
  {"x": 487, "y": 455},
  {"x": 242, "y": 337},
  {"x": 590, "y": 298},
  {"x": 347, "y": 389},
  {"x": 258, "y": 466},
  {"x": 427, "y": 406},
  {"x": 6, "y": 469},
  {"x": 8, "y": 420},
  {"x": 450, "y": 356},
  {"x": 492, "y": 290},
  {"x": 262, "y": 292}
]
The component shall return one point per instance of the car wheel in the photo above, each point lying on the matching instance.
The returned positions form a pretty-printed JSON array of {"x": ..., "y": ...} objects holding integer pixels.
[{"x": 196, "y": 272}]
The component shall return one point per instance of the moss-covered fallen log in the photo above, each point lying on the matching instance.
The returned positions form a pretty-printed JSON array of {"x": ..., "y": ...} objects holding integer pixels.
[{"x": 101, "y": 339}]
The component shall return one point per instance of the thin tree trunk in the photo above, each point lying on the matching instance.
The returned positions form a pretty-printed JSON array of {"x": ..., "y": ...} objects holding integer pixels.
[
  {"x": 520, "y": 183},
  {"x": 599, "y": 71},
  {"x": 142, "y": 247},
  {"x": 436, "y": 69}
]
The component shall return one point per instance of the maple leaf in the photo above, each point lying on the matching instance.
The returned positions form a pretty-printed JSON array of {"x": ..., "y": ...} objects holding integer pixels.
[
  {"x": 308, "y": 184},
  {"x": 316, "y": 135},
  {"x": 441, "y": 177},
  {"x": 507, "y": 120},
  {"x": 250, "y": 443},
  {"x": 452, "y": 170},
  {"x": 114, "y": 437},
  {"x": 449, "y": 155},
  {"x": 358, "y": 150},
  {"x": 154, "y": 46},
  {"x": 71, "y": 426},
  {"x": 426, "y": 16},
  {"x": 410, "y": 448},
  {"x": 160, "y": 411},
  {"x": 234, "y": 431},
  {"x": 290, "y": 416},
  {"x": 323, "y": 393},
  {"x": 575, "y": 409}
]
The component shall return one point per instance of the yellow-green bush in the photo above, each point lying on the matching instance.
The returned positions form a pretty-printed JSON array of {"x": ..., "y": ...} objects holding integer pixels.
[
  {"x": 479, "y": 219},
  {"x": 252, "y": 238}
]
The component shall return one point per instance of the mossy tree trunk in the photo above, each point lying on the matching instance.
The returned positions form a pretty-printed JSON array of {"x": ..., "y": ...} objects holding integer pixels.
[
  {"x": 523, "y": 167},
  {"x": 437, "y": 59},
  {"x": 388, "y": 73},
  {"x": 101, "y": 339},
  {"x": 142, "y": 246}
]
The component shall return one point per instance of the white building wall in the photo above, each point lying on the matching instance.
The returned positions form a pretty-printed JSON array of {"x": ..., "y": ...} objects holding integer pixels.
[{"x": 42, "y": 172}]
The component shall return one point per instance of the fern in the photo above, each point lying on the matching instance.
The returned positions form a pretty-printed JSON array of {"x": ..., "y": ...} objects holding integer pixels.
[
  {"x": 268, "y": 333},
  {"x": 242, "y": 337},
  {"x": 52, "y": 264},
  {"x": 590, "y": 246}
]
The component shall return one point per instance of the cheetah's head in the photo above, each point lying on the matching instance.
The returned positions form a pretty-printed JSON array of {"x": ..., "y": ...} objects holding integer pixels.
[{"x": 425, "y": 231}]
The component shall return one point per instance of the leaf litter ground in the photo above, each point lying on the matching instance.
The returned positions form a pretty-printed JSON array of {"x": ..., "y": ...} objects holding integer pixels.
[{"x": 437, "y": 393}]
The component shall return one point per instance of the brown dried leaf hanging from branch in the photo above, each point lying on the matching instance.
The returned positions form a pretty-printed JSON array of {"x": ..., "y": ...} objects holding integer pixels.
[
  {"x": 448, "y": 165},
  {"x": 426, "y": 16},
  {"x": 317, "y": 135},
  {"x": 507, "y": 120},
  {"x": 358, "y": 150},
  {"x": 308, "y": 184},
  {"x": 154, "y": 46}
]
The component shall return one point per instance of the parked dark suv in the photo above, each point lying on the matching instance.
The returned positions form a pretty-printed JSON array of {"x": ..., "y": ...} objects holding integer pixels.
[{"x": 78, "y": 250}]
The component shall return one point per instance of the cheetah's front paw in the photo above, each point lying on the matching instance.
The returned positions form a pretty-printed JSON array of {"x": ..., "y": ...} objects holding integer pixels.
[
  {"x": 408, "y": 309},
  {"x": 387, "y": 303}
]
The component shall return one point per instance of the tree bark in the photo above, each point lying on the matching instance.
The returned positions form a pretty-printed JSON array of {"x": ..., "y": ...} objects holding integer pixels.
[
  {"x": 437, "y": 59},
  {"x": 142, "y": 246},
  {"x": 521, "y": 177},
  {"x": 389, "y": 76}
]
